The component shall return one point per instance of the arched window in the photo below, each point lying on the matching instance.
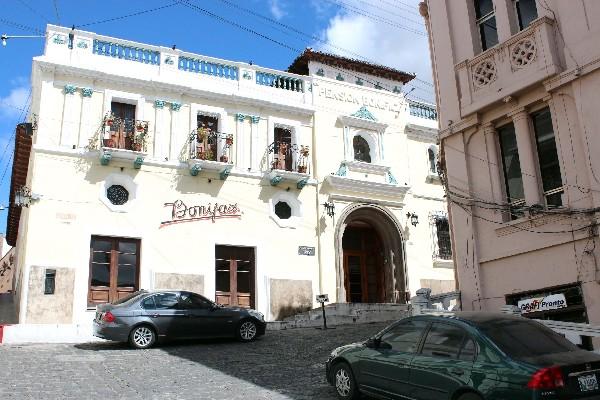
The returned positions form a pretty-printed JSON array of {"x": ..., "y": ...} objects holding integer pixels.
[
  {"x": 432, "y": 160},
  {"x": 361, "y": 149}
]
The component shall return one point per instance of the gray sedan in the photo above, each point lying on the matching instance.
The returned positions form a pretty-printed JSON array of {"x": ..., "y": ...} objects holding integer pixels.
[{"x": 145, "y": 317}]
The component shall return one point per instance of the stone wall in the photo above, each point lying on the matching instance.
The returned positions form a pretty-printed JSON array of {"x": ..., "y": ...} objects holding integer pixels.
[
  {"x": 289, "y": 297},
  {"x": 191, "y": 282},
  {"x": 54, "y": 308},
  {"x": 438, "y": 286}
]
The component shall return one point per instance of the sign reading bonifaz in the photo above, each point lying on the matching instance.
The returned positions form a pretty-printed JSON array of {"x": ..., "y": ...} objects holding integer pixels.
[
  {"x": 306, "y": 251},
  {"x": 552, "y": 302},
  {"x": 180, "y": 212}
]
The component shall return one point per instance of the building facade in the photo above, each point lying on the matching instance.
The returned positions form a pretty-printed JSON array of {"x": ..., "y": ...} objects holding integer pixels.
[
  {"x": 516, "y": 90},
  {"x": 149, "y": 167}
]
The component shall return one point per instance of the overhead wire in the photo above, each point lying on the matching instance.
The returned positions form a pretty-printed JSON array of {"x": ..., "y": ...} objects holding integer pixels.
[{"x": 34, "y": 11}]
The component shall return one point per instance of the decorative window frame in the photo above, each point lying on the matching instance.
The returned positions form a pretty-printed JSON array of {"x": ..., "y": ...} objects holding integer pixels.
[
  {"x": 371, "y": 131},
  {"x": 292, "y": 125},
  {"x": 372, "y": 139},
  {"x": 210, "y": 111},
  {"x": 438, "y": 262},
  {"x": 432, "y": 175},
  {"x": 127, "y": 98},
  {"x": 294, "y": 203},
  {"x": 119, "y": 179}
]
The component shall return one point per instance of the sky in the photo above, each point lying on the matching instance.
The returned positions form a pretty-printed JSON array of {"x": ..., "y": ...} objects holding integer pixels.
[{"x": 270, "y": 33}]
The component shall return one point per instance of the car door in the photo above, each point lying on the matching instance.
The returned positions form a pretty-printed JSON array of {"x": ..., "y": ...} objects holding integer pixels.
[
  {"x": 166, "y": 315},
  {"x": 384, "y": 366},
  {"x": 201, "y": 321},
  {"x": 444, "y": 362}
]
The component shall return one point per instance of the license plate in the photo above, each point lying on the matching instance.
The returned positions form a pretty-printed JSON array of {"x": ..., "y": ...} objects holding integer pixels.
[{"x": 588, "y": 382}]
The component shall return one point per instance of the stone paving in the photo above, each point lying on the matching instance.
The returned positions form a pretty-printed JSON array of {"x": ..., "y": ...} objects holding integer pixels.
[{"x": 286, "y": 364}]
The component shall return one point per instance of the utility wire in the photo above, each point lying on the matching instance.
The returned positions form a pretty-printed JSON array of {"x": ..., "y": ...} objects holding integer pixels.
[
  {"x": 33, "y": 10},
  {"x": 127, "y": 16},
  {"x": 310, "y": 36},
  {"x": 56, "y": 10},
  {"x": 403, "y": 6},
  {"x": 387, "y": 11},
  {"x": 21, "y": 26}
]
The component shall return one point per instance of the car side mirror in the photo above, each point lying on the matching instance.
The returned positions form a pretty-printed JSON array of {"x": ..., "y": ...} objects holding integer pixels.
[
  {"x": 384, "y": 345},
  {"x": 373, "y": 343}
]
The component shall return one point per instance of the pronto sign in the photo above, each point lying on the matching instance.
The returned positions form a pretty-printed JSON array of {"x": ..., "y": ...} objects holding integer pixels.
[
  {"x": 180, "y": 212},
  {"x": 552, "y": 302}
]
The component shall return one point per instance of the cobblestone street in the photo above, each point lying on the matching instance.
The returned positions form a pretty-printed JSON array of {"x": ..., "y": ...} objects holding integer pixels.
[{"x": 285, "y": 364}]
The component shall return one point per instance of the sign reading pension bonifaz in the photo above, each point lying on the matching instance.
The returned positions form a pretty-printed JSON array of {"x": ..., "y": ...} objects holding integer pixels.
[
  {"x": 181, "y": 212},
  {"x": 552, "y": 302}
]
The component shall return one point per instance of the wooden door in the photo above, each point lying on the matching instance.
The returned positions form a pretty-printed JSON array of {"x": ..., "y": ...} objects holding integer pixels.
[
  {"x": 234, "y": 276},
  {"x": 123, "y": 125},
  {"x": 364, "y": 279},
  {"x": 355, "y": 272},
  {"x": 114, "y": 269}
]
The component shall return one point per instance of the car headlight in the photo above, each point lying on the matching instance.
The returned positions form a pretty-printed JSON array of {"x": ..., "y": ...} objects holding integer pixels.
[{"x": 258, "y": 315}]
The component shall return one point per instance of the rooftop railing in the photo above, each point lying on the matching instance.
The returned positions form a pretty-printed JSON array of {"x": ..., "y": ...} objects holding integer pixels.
[
  {"x": 125, "y": 52},
  {"x": 422, "y": 110}
]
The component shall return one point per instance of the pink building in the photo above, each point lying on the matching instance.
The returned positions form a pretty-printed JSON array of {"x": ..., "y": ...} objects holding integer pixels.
[{"x": 517, "y": 85}]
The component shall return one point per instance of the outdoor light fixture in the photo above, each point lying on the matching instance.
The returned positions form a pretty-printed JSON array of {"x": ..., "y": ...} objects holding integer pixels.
[
  {"x": 4, "y": 37},
  {"x": 24, "y": 197},
  {"x": 414, "y": 218},
  {"x": 330, "y": 208}
]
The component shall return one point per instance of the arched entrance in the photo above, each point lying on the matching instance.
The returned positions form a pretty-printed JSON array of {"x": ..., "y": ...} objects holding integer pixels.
[{"x": 370, "y": 256}]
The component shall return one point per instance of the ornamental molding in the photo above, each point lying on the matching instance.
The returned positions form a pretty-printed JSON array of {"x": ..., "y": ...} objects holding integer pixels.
[
  {"x": 523, "y": 53},
  {"x": 240, "y": 98},
  {"x": 364, "y": 113},
  {"x": 367, "y": 168},
  {"x": 355, "y": 122},
  {"x": 421, "y": 133},
  {"x": 122, "y": 180},
  {"x": 341, "y": 183}
]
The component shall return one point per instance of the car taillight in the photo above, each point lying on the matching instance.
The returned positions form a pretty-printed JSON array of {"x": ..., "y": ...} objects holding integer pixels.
[
  {"x": 108, "y": 317},
  {"x": 546, "y": 378}
]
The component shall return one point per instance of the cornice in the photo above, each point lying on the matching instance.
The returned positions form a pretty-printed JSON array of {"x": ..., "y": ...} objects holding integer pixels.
[
  {"x": 464, "y": 124},
  {"x": 368, "y": 187},
  {"x": 356, "y": 122},
  {"x": 365, "y": 167}
]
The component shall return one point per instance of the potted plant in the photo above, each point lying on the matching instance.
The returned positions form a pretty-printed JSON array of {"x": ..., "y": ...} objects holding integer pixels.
[
  {"x": 302, "y": 169},
  {"x": 140, "y": 126},
  {"x": 224, "y": 158},
  {"x": 305, "y": 151},
  {"x": 109, "y": 119},
  {"x": 229, "y": 140},
  {"x": 139, "y": 141},
  {"x": 108, "y": 143},
  {"x": 209, "y": 154},
  {"x": 202, "y": 134}
]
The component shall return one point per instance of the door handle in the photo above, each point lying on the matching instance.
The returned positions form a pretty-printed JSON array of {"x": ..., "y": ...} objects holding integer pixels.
[
  {"x": 457, "y": 371},
  {"x": 154, "y": 315}
]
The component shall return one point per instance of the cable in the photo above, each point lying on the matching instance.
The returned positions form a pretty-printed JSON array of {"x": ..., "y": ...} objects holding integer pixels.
[
  {"x": 418, "y": 22},
  {"x": 403, "y": 6},
  {"x": 56, "y": 10},
  {"x": 126, "y": 16},
  {"x": 21, "y": 26},
  {"x": 34, "y": 11}
]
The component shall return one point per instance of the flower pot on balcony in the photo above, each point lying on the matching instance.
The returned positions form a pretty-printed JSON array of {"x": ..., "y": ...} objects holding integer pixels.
[
  {"x": 108, "y": 143},
  {"x": 229, "y": 141},
  {"x": 302, "y": 169},
  {"x": 108, "y": 122},
  {"x": 224, "y": 158},
  {"x": 136, "y": 146}
]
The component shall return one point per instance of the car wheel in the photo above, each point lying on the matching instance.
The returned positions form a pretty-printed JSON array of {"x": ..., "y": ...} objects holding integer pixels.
[
  {"x": 246, "y": 331},
  {"x": 344, "y": 382},
  {"x": 469, "y": 396},
  {"x": 142, "y": 337}
]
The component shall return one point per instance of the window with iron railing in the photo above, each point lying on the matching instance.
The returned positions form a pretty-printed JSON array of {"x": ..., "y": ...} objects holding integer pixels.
[
  {"x": 123, "y": 131},
  {"x": 442, "y": 230}
]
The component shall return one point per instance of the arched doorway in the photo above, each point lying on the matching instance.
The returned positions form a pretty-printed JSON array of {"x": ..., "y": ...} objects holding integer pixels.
[{"x": 370, "y": 256}]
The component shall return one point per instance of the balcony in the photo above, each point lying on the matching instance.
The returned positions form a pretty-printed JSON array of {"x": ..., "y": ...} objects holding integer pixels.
[
  {"x": 124, "y": 139},
  {"x": 288, "y": 162},
  {"x": 100, "y": 55},
  {"x": 211, "y": 151},
  {"x": 508, "y": 68}
]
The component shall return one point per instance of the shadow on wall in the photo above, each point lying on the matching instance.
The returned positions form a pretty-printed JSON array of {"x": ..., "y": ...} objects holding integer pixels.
[{"x": 289, "y": 310}]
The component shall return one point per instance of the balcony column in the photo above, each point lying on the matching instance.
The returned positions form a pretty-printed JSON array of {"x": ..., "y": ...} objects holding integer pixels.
[
  {"x": 494, "y": 163},
  {"x": 506, "y": 19},
  {"x": 527, "y": 156}
]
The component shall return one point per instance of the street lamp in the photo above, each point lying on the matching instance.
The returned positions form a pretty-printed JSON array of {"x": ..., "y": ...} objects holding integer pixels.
[
  {"x": 414, "y": 218},
  {"x": 4, "y": 37},
  {"x": 330, "y": 208}
]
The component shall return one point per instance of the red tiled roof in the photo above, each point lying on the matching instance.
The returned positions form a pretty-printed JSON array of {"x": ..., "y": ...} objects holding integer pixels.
[
  {"x": 300, "y": 66},
  {"x": 18, "y": 178}
]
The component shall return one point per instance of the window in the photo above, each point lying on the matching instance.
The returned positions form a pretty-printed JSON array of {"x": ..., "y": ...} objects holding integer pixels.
[
  {"x": 282, "y": 149},
  {"x": 283, "y": 210},
  {"x": 526, "y": 12},
  {"x": 513, "y": 181},
  {"x": 405, "y": 336},
  {"x": 117, "y": 195},
  {"x": 548, "y": 157},
  {"x": 166, "y": 301},
  {"x": 122, "y": 126},
  {"x": 431, "y": 157},
  {"x": 192, "y": 300},
  {"x": 486, "y": 23},
  {"x": 114, "y": 269},
  {"x": 49, "y": 281},
  {"x": 443, "y": 340},
  {"x": 207, "y": 138},
  {"x": 442, "y": 229},
  {"x": 361, "y": 149},
  {"x": 468, "y": 351}
]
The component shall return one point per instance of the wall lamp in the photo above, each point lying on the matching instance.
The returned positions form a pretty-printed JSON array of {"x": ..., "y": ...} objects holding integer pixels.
[
  {"x": 414, "y": 218},
  {"x": 5, "y": 37},
  {"x": 24, "y": 197},
  {"x": 330, "y": 208}
]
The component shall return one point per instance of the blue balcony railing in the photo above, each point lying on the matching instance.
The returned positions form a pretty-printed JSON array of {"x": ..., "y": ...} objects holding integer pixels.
[
  {"x": 423, "y": 111},
  {"x": 208, "y": 68},
  {"x": 116, "y": 50},
  {"x": 279, "y": 81}
]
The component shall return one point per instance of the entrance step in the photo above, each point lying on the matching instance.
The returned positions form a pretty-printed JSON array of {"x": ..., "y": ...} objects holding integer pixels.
[{"x": 343, "y": 313}]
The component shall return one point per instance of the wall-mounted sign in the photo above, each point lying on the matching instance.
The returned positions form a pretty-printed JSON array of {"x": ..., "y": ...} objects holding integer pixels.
[
  {"x": 306, "y": 251},
  {"x": 180, "y": 212},
  {"x": 552, "y": 302},
  {"x": 342, "y": 95}
]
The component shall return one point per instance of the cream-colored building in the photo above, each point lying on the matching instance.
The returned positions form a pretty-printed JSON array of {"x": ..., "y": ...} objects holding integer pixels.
[
  {"x": 149, "y": 167},
  {"x": 517, "y": 91}
]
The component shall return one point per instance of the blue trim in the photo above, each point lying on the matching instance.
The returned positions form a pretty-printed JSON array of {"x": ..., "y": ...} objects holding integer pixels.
[
  {"x": 225, "y": 173},
  {"x": 137, "y": 163},
  {"x": 364, "y": 113},
  {"x": 279, "y": 81},
  {"x": 195, "y": 169},
  {"x": 159, "y": 103},
  {"x": 342, "y": 170},
  {"x": 208, "y": 68},
  {"x": 276, "y": 180},
  {"x": 70, "y": 89},
  {"x": 175, "y": 106},
  {"x": 87, "y": 92},
  {"x": 115, "y": 50},
  {"x": 105, "y": 158},
  {"x": 301, "y": 183}
]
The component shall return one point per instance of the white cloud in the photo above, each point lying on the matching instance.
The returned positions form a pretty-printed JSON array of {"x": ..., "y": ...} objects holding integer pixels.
[
  {"x": 13, "y": 104},
  {"x": 276, "y": 9},
  {"x": 382, "y": 43}
]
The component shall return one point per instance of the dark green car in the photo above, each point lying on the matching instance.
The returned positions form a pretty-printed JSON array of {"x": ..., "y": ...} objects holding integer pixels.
[{"x": 465, "y": 356}]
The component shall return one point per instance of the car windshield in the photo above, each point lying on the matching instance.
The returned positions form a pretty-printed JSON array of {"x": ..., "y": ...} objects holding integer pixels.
[
  {"x": 127, "y": 298},
  {"x": 522, "y": 339}
]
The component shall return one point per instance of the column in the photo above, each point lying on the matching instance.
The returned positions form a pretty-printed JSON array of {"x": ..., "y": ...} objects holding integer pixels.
[
  {"x": 88, "y": 125},
  {"x": 506, "y": 19},
  {"x": 174, "y": 146},
  {"x": 494, "y": 163},
  {"x": 158, "y": 145},
  {"x": 527, "y": 156},
  {"x": 71, "y": 112},
  {"x": 240, "y": 160},
  {"x": 255, "y": 150}
]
